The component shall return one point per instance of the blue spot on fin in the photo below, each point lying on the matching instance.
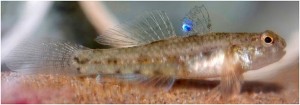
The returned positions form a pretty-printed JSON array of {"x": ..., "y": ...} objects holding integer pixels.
[
  {"x": 196, "y": 21},
  {"x": 187, "y": 25}
]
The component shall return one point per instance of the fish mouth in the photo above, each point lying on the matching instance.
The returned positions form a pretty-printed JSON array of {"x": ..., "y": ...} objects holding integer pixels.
[
  {"x": 284, "y": 48},
  {"x": 282, "y": 42},
  {"x": 281, "y": 54},
  {"x": 284, "y": 52}
]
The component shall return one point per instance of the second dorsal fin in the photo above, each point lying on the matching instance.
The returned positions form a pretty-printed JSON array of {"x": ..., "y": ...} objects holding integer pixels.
[
  {"x": 196, "y": 21},
  {"x": 152, "y": 26}
]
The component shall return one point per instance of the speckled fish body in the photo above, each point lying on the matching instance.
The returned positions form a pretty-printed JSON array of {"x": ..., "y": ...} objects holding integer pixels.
[
  {"x": 196, "y": 56},
  {"x": 149, "y": 51}
]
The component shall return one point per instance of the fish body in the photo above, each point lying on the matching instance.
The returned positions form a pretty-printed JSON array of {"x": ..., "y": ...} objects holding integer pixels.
[
  {"x": 148, "y": 51},
  {"x": 196, "y": 56}
]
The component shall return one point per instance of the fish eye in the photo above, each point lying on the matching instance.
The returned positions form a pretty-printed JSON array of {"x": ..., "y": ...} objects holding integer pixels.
[{"x": 267, "y": 39}]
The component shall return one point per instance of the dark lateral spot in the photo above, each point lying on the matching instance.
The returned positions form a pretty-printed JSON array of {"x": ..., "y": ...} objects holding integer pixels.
[
  {"x": 76, "y": 59},
  {"x": 206, "y": 53},
  {"x": 191, "y": 49},
  {"x": 118, "y": 71},
  {"x": 97, "y": 62},
  {"x": 157, "y": 72},
  {"x": 78, "y": 69},
  {"x": 137, "y": 72},
  {"x": 172, "y": 58},
  {"x": 115, "y": 61},
  {"x": 112, "y": 61},
  {"x": 82, "y": 61},
  {"x": 142, "y": 59}
]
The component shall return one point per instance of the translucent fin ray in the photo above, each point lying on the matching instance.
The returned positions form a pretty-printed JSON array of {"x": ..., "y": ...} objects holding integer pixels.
[
  {"x": 152, "y": 26},
  {"x": 164, "y": 83},
  {"x": 154, "y": 76},
  {"x": 232, "y": 75},
  {"x": 153, "y": 83},
  {"x": 42, "y": 56},
  {"x": 197, "y": 21}
]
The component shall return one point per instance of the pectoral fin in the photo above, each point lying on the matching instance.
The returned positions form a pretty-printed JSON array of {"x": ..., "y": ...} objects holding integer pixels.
[{"x": 232, "y": 75}]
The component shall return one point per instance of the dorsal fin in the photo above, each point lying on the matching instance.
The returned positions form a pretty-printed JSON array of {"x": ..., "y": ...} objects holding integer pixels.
[
  {"x": 196, "y": 21},
  {"x": 152, "y": 26}
]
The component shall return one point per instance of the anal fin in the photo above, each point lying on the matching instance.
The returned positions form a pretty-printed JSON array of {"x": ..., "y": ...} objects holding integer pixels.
[
  {"x": 160, "y": 83},
  {"x": 151, "y": 84},
  {"x": 151, "y": 77}
]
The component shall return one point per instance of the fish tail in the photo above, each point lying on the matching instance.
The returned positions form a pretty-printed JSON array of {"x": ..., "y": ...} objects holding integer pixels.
[{"x": 42, "y": 57}]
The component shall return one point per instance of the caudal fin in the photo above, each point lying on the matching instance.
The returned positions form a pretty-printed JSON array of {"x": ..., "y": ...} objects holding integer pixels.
[{"x": 42, "y": 57}]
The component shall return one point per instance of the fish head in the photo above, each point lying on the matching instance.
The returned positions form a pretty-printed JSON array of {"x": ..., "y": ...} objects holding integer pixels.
[{"x": 265, "y": 48}]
